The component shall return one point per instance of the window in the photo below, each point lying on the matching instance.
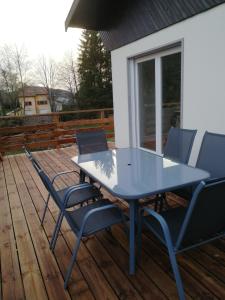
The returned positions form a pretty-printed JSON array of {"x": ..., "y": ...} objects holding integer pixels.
[
  {"x": 157, "y": 96},
  {"x": 28, "y": 103},
  {"x": 42, "y": 102}
]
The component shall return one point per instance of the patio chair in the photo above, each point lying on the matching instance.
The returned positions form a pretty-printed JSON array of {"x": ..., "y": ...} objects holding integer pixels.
[
  {"x": 178, "y": 148},
  {"x": 181, "y": 229},
  {"x": 90, "y": 142},
  {"x": 210, "y": 158},
  {"x": 80, "y": 196},
  {"x": 76, "y": 195},
  {"x": 85, "y": 220},
  {"x": 179, "y": 144}
]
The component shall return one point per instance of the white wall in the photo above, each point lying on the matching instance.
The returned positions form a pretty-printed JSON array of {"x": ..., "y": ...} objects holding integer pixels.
[{"x": 204, "y": 74}]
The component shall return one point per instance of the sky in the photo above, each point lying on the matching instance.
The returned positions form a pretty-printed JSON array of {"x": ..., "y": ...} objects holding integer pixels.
[{"x": 38, "y": 25}]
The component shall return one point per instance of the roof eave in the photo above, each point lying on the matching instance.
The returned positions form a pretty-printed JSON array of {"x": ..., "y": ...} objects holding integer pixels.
[
  {"x": 70, "y": 14},
  {"x": 90, "y": 14}
]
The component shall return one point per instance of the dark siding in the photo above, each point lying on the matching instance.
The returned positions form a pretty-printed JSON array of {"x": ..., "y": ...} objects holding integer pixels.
[{"x": 143, "y": 17}]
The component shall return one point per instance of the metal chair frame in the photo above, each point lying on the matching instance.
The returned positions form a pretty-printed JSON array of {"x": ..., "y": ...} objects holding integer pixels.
[
  {"x": 64, "y": 213},
  {"x": 169, "y": 148},
  {"x": 81, "y": 139},
  {"x": 38, "y": 168},
  {"x": 79, "y": 233},
  {"x": 175, "y": 248},
  {"x": 160, "y": 200},
  {"x": 207, "y": 162}
]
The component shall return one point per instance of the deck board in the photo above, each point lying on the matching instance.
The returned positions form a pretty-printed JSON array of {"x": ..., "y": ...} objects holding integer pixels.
[{"x": 29, "y": 270}]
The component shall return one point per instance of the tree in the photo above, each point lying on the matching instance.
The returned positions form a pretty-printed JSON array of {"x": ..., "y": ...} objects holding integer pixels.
[
  {"x": 47, "y": 76},
  {"x": 21, "y": 65},
  {"x": 68, "y": 75},
  {"x": 13, "y": 74},
  {"x": 9, "y": 81},
  {"x": 94, "y": 72}
]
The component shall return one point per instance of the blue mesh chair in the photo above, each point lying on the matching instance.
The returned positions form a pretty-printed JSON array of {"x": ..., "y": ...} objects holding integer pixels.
[
  {"x": 85, "y": 220},
  {"x": 181, "y": 229},
  {"x": 72, "y": 197},
  {"x": 178, "y": 148},
  {"x": 90, "y": 142},
  {"x": 80, "y": 196},
  {"x": 179, "y": 144},
  {"x": 210, "y": 158}
]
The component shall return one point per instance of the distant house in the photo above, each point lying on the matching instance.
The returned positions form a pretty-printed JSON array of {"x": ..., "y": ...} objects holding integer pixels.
[
  {"x": 168, "y": 65},
  {"x": 36, "y": 100}
]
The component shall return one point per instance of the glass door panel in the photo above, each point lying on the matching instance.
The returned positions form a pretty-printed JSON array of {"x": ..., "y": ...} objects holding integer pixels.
[
  {"x": 171, "y": 92},
  {"x": 158, "y": 95},
  {"x": 147, "y": 109}
]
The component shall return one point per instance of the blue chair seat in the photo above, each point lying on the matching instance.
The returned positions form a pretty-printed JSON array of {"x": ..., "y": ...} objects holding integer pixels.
[
  {"x": 173, "y": 217},
  {"x": 79, "y": 196},
  {"x": 96, "y": 222}
]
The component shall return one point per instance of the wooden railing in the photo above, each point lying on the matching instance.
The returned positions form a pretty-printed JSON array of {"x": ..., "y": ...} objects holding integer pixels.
[{"x": 51, "y": 130}]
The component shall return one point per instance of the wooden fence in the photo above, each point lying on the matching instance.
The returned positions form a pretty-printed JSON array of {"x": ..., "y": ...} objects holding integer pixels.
[{"x": 54, "y": 133}]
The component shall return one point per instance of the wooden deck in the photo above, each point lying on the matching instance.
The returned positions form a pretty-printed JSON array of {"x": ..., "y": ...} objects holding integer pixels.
[{"x": 30, "y": 271}]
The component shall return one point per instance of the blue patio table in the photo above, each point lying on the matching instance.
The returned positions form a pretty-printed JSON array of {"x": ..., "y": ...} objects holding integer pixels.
[{"x": 132, "y": 174}]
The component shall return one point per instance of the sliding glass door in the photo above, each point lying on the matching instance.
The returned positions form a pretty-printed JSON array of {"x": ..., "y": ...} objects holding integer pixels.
[
  {"x": 158, "y": 97},
  {"x": 147, "y": 109}
]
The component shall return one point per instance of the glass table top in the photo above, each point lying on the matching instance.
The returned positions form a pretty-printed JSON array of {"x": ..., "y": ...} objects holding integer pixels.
[{"x": 132, "y": 173}]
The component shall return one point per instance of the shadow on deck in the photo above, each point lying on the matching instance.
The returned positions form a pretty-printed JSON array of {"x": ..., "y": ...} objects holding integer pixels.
[{"x": 30, "y": 271}]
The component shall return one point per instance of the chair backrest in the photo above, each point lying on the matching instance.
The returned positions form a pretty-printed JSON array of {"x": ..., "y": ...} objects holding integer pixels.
[
  {"x": 91, "y": 141},
  {"x": 179, "y": 144},
  {"x": 32, "y": 159},
  {"x": 44, "y": 178},
  {"x": 35, "y": 163},
  {"x": 47, "y": 182},
  {"x": 212, "y": 154},
  {"x": 27, "y": 152},
  {"x": 204, "y": 219}
]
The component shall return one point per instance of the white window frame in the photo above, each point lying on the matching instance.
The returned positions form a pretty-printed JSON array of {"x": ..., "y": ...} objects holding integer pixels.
[{"x": 134, "y": 95}]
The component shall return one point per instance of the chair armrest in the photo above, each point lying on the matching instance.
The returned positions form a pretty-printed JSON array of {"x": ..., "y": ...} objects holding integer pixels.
[
  {"x": 72, "y": 189},
  {"x": 63, "y": 173},
  {"x": 214, "y": 180},
  {"x": 162, "y": 223}
]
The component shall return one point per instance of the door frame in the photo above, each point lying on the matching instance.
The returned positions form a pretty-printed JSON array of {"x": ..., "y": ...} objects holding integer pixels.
[{"x": 134, "y": 94}]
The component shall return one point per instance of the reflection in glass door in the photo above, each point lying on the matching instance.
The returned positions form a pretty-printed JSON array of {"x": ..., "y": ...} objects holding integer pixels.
[
  {"x": 146, "y": 77},
  {"x": 159, "y": 97},
  {"x": 171, "y": 93}
]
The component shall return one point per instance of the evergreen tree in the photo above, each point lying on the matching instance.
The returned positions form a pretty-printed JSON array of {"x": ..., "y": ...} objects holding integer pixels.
[{"x": 94, "y": 70}]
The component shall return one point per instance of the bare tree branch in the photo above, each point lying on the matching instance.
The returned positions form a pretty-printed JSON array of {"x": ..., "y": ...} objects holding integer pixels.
[
  {"x": 68, "y": 75},
  {"x": 47, "y": 76}
]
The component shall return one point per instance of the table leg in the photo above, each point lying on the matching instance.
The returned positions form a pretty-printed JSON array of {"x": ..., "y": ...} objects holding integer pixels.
[{"x": 133, "y": 207}]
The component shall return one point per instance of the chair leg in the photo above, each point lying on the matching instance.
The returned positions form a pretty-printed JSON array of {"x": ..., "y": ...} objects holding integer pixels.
[
  {"x": 108, "y": 230},
  {"x": 163, "y": 203},
  {"x": 139, "y": 241},
  {"x": 176, "y": 273},
  {"x": 82, "y": 176},
  {"x": 46, "y": 206},
  {"x": 56, "y": 231},
  {"x": 125, "y": 226},
  {"x": 69, "y": 271}
]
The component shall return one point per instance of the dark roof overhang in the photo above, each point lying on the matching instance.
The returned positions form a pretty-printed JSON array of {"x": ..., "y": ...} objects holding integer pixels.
[
  {"x": 121, "y": 22},
  {"x": 95, "y": 14}
]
